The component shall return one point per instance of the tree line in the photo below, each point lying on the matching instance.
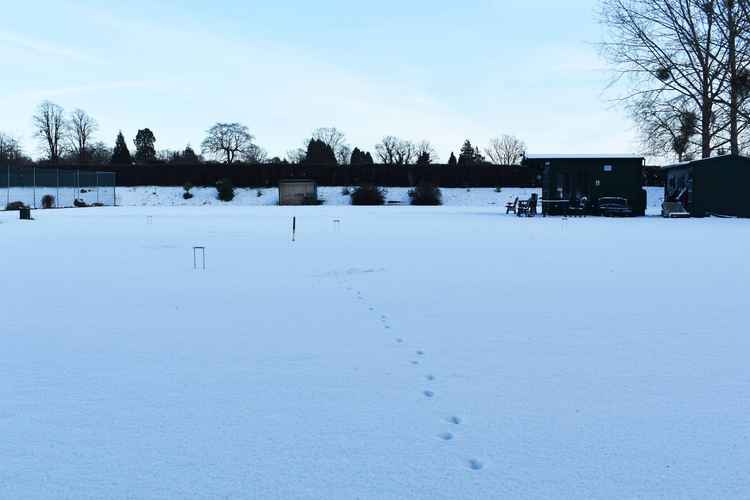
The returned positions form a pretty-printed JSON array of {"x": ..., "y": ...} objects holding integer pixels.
[
  {"x": 71, "y": 138},
  {"x": 685, "y": 68}
]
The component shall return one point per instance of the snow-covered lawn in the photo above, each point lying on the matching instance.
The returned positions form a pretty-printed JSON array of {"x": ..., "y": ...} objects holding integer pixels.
[
  {"x": 431, "y": 353},
  {"x": 151, "y": 196},
  {"x": 452, "y": 197}
]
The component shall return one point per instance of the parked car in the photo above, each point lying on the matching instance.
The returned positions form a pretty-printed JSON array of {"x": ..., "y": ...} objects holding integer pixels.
[{"x": 615, "y": 207}]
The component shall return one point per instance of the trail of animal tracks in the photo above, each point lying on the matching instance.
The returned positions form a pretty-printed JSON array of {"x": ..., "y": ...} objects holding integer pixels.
[{"x": 437, "y": 353}]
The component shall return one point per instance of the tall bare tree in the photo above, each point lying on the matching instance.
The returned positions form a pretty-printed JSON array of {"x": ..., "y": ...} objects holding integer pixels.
[
  {"x": 10, "y": 149},
  {"x": 734, "y": 28},
  {"x": 394, "y": 151},
  {"x": 506, "y": 150},
  {"x": 51, "y": 128},
  {"x": 82, "y": 127},
  {"x": 229, "y": 142},
  {"x": 670, "y": 54}
]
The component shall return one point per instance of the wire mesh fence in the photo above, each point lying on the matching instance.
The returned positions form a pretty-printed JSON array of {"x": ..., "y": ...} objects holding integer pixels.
[{"x": 39, "y": 187}]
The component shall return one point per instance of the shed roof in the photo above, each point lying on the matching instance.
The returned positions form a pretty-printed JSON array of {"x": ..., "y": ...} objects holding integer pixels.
[
  {"x": 585, "y": 157},
  {"x": 704, "y": 161}
]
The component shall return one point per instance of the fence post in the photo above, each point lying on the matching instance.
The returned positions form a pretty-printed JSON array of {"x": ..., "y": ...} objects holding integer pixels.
[
  {"x": 7, "y": 191},
  {"x": 96, "y": 175},
  {"x": 57, "y": 197},
  {"x": 114, "y": 187},
  {"x": 34, "y": 188}
]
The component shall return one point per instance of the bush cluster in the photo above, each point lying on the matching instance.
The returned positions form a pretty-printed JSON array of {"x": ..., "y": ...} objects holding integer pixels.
[
  {"x": 15, "y": 205},
  {"x": 225, "y": 189},
  {"x": 48, "y": 201},
  {"x": 426, "y": 194},
  {"x": 187, "y": 195},
  {"x": 368, "y": 194}
]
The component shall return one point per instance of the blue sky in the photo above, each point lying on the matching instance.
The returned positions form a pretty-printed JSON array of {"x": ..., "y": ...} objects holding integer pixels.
[{"x": 443, "y": 71}]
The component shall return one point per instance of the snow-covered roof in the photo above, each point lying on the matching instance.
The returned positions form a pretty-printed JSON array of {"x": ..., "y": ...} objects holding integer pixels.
[
  {"x": 585, "y": 157},
  {"x": 703, "y": 160}
]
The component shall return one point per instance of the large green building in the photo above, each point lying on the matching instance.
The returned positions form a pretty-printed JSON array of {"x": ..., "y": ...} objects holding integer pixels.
[
  {"x": 583, "y": 180},
  {"x": 714, "y": 186}
]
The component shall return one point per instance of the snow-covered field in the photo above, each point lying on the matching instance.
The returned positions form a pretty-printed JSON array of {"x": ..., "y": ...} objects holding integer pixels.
[
  {"x": 405, "y": 352},
  {"x": 453, "y": 197},
  {"x": 150, "y": 196}
]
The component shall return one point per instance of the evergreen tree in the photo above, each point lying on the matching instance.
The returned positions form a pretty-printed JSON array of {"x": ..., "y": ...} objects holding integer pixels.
[
  {"x": 466, "y": 158},
  {"x": 320, "y": 153},
  {"x": 121, "y": 153},
  {"x": 189, "y": 155},
  {"x": 452, "y": 162},
  {"x": 356, "y": 157},
  {"x": 144, "y": 146},
  {"x": 360, "y": 157},
  {"x": 424, "y": 159}
]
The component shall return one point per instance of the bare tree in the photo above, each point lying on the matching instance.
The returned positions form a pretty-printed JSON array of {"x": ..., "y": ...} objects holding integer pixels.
[
  {"x": 82, "y": 128},
  {"x": 254, "y": 154},
  {"x": 297, "y": 155},
  {"x": 506, "y": 150},
  {"x": 426, "y": 149},
  {"x": 671, "y": 55},
  {"x": 344, "y": 154},
  {"x": 734, "y": 28},
  {"x": 10, "y": 149},
  {"x": 51, "y": 127},
  {"x": 387, "y": 149},
  {"x": 394, "y": 151},
  {"x": 337, "y": 140},
  {"x": 229, "y": 142}
]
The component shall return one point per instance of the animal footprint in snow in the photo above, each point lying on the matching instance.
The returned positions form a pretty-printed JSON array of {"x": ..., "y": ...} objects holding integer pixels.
[
  {"x": 400, "y": 341},
  {"x": 429, "y": 394},
  {"x": 454, "y": 420},
  {"x": 431, "y": 378},
  {"x": 446, "y": 436},
  {"x": 475, "y": 464},
  {"x": 420, "y": 353},
  {"x": 415, "y": 363}
]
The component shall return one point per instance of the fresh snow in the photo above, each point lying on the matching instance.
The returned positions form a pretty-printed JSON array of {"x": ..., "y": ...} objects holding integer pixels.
[
  {"x": 452, "y": 197},
  {"x": 404, "y": 352}
]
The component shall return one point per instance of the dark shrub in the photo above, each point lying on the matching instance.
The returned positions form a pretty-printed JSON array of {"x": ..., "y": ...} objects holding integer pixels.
[
  {"x": 498, "y": 189},
  {"x": 187, "y": 194},
  {"x": 225, "y": 189},
  {"x": 426, "y": 194},
  {"x": 346, "y": 191},
  {"x": 368, "y": 194},
  {"x": 48, "y": 201},
  {"x": 15, "y": 205},
  {"x": 79, "y": 203},
  {"x": 259, "y": 193}
]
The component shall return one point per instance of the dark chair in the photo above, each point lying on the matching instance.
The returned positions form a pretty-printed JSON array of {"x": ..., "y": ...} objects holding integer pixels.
[
  {"x": 533, "y": 205},
  {"x": 511, "y": 207}
]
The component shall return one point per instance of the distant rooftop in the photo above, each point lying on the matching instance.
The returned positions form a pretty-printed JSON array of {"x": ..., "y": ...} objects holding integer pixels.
[
  {"x": 585, "y": 157},
  {"x": 703, "y": 160}
]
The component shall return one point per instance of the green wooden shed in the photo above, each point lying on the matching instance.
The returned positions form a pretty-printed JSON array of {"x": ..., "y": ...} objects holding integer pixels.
[
  {"x": 713, "y": 186},
  {"x": 584, "y": 180}
]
